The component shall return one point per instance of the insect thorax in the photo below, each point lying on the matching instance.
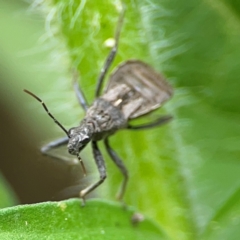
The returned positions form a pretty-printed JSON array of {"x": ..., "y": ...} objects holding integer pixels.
[{"x": 105, "y": 118}]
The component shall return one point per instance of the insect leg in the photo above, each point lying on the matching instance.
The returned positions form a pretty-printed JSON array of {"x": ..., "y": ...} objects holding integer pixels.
[
  {"x": 121, "y": 167},
  {"x": 54, "y": 144},
  {"x": 80, "y": 95},
  {"x": 111, "y": 55},
  {"x": 158, "y": 122},
  {"x": 101, "y": 168}
]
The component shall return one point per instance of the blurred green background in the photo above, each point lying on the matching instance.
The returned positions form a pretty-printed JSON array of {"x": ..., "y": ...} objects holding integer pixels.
[
  {"x": 184, "y": 175},
  {"x": 26, "y": 62}
]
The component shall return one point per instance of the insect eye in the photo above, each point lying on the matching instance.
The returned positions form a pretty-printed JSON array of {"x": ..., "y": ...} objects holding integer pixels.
[
  {"x": 85, "y": 140},
  {"x": 71, "y": 131}
]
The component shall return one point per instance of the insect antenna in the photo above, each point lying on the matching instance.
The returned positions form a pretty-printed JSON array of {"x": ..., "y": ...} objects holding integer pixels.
[
  {"x": 57, "y": 122},
  {"x": 46, "y": 109}
]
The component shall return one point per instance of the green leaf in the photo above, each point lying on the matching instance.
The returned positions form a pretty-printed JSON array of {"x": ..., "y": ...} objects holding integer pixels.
[
  {"x": 189, "y": 169},
  {"x": 225, "y": 224},
  {"x": 7, "y": 197},
  {"x": 197, "y": 43},
  {"x": 186, "y": 174},
  {"x": 85, "y": 26},
  {"x": 68, "y": 220}
]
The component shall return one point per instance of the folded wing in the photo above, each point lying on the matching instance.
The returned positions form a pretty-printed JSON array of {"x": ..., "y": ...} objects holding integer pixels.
[{"x": 136, "y": 89}]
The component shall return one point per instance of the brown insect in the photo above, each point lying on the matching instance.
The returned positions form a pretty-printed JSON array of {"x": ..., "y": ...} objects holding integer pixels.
[{"x": 134, "y": 89}]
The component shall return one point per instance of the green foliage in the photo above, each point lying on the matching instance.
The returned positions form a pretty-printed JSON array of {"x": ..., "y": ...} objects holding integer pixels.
[
  {"x": 68, "y": 220},
  {"x": 7, "y": 197},
  {"x": 184, "y": 175}
]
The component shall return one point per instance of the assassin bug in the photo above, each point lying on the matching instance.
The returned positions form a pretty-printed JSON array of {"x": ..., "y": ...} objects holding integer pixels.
[{"x": 134, "y": 89}]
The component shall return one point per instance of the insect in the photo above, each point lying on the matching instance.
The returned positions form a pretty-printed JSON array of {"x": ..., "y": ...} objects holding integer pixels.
[{"x": 134, "y": 89}]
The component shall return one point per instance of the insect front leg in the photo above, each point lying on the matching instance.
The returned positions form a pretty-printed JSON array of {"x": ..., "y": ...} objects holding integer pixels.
[
  {"x": 80, "y": 95},
  {"x": 53, "y": 145},
  {"x": 101, "y": 168},
  {"x": 121, "y": 167},
  {"x": 158, "y": 122}
]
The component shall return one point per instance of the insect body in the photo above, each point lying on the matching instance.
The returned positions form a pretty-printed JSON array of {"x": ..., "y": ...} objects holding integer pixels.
[
  {"x": 102, "y": 120},
  {"x": 134, "y": 89}
]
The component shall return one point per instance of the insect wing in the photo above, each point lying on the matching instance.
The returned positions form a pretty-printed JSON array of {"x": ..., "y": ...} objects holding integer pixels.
[{"x": 136, "y": 89}]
